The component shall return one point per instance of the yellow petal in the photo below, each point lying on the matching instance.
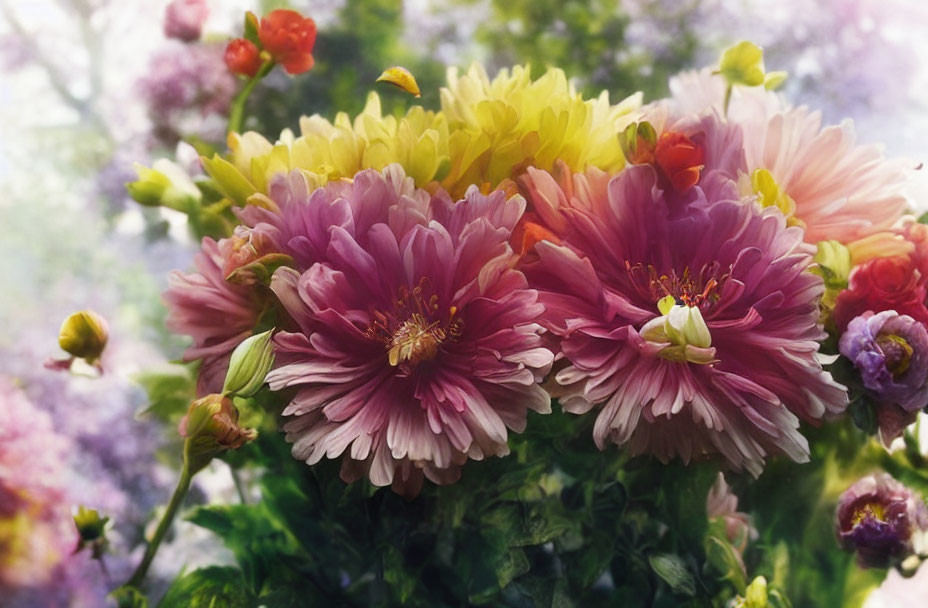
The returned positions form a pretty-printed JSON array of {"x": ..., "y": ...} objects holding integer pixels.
[{"x": 402, "y": 78}]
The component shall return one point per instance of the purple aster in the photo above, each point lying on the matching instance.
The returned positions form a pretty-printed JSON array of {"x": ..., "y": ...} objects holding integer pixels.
[
  {"x": 891, "y": 352},
  {"x": 694, "y": 328},
  {"x": 417, "y": 346},
  {"x": 881, "y": 519}
]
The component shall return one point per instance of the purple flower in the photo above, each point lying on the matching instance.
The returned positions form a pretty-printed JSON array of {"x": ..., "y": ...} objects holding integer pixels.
[
  {"x": 694, "y": 328},
  {"x": 417, "y": 344},
  {"x": 891, "y": 352},
  {"x": 882, "y": 520},
  {"x": 188, "y": 90},
  {"x": 184, "y": 19}
]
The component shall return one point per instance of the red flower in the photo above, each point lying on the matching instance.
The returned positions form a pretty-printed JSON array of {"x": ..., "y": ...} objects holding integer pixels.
[
  {"x": 679, "y": 159},
  {"x": 242, "y": 57},
  {"x": 289, "y": 38},
  {"x": 883, "y": 284}
]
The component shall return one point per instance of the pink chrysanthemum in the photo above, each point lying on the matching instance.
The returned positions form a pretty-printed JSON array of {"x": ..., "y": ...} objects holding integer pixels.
[
  {"x": 418, "y": 344},
  {"x": 217, "y": 313},
  {"x": 842, "y": 191},
  {"x": 726, "y": 363}
]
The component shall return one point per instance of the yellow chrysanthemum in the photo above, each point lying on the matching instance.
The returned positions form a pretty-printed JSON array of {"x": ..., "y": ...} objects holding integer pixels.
[
  {"x": 499, "y": 127},
  {"x": 418, "y": 141}
]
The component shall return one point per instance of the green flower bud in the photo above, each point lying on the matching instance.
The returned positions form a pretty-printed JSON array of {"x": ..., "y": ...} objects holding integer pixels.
[
  {"x": 756, "y": 594},
  {"x": 92, "y": 530},
  {"x": 251, "y": 361},
  {"x": 84, "y": 335},
  {"x": 211, "y": 427},
  {"x": 165, "y": 184}
]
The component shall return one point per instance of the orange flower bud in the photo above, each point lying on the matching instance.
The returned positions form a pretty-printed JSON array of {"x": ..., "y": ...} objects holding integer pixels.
[
  {"x": 680, "y": 160},
  {"x": 211, "y": 426},
  {"x": 242, "y": 57},
  {"x": 289, "y": 38}
]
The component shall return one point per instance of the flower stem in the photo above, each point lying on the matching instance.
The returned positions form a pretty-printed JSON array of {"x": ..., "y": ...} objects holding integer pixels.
[
  {"x": 728, "y": 90},
  {"x": 176, "y": 500},
  {"x": 237, "y": 110}
]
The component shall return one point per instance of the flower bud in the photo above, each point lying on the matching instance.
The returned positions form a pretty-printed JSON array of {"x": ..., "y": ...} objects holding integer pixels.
[
  {"x": 242, "y": 57},
  {"x": 84, "y": 335},
  {"x": 882, "y": 520},
  {"x": 210, "y": 427},
  {"x": 91, "y": 528},
  {"x": 680, "y": 159},
  {"x": 251, "y": 361},
  {"x": 164, "y": 184}
]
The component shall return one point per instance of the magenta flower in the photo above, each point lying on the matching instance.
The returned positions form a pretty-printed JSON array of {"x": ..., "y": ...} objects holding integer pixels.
[
  {"x": 217, "y": 313},
  {"x": 882, "y": 520},
  {"x": 694, "y": 328},
  {"x": 418, "y": 345}
]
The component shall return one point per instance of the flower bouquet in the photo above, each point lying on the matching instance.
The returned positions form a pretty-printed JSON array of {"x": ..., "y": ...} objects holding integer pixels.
[{"x": 533, "y": 349}]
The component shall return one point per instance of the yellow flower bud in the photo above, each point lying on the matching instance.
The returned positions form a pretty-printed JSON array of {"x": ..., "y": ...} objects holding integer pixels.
[{"x": 84, "y": 335}]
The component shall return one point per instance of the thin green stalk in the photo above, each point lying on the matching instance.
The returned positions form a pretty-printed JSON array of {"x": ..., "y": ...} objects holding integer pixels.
[
  {"x": 237, "y": 110},
  {"x": 180, "y": 492},
  {"x": 728, "y": 90}
]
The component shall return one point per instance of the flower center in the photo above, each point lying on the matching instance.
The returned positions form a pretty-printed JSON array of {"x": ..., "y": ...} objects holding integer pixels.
[
  {"x": 416, "y": 328},
  {"x": 870, "y": 510},
  {"x": 897, "y": 353},
  {"x": 699, "y": 290}
]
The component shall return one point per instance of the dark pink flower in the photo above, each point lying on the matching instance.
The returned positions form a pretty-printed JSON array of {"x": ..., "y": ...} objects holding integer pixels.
[
  {"x": 418, "y": 345},
  {"x": 217, "y": 313},
  {"x": 694, "y": 328}
]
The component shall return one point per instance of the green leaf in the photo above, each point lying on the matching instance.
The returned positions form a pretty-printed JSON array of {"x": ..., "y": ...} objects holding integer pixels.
[
  {"x": 213, "y": 587},
  {"x": 923, "y": 218},
  {"x": 169, "y": 392},
  {"x": 674, "y": 572},
  {"x": 129, "y": 597},
  {"x": 743, "y": 64},
  {"x": 229, "y": 180}
]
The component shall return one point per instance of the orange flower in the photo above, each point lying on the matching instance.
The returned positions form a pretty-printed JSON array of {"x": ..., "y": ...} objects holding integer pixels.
[
  {"x": 242, "y": 57},
  {"x": 680, "y": 160},
  {"x": 289, "y": 38}
]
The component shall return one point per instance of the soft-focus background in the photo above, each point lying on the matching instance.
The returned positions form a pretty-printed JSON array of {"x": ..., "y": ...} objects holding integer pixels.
[{"x": 89, "y": 87}]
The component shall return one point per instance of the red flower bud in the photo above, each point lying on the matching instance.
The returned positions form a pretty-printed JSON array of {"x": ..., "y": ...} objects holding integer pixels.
[
  {"x": 680, "y": 159},
  {"x": 289, "y": 38},
  {"x": 242, "y": 57}
]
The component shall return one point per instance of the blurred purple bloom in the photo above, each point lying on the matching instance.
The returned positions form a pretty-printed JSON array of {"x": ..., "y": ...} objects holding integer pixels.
[
  {"x": 188, "y": 90},
  {"x": 880, "y": 519},
  {"x": 184, "y": 19}
]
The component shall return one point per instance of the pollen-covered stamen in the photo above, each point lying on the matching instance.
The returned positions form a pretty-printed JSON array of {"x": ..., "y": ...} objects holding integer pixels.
[
  {"x": 416, "y": 328},
  {"x": 700, "y": 290}
]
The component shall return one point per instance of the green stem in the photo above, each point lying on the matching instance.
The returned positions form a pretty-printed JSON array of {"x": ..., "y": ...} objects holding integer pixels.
[
  {"x": 176, "y": 500},
  {"x": 237, "y": 110},
  {"x": 728, "y": 89}
]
